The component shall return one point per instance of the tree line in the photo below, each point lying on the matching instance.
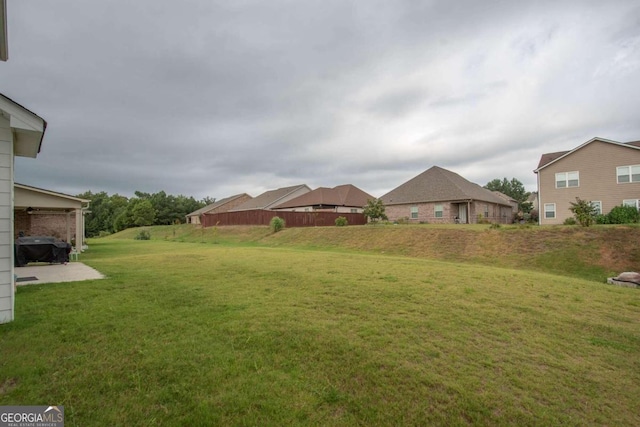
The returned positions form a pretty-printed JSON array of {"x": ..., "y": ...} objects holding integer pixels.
[{"x": 112, "y": 213}]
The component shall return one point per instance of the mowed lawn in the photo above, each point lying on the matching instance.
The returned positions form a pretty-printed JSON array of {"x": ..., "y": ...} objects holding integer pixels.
[{"x": 191, "y": 334}]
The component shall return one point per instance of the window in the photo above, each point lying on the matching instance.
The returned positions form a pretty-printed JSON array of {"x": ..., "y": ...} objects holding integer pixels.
[
  {"x": 628, "y": 174},
  {"x": 597, "y": 205},
  {"x": 437, "y": 211},
  {"x": 414, "y": 212},
  {"x": 354, "y": 210},
  {"x": 486, "y": 211},
  {"x": 632, "y": 202},
  {"x": 567, "y": 179},
  {"x": 549, "y": 210}
]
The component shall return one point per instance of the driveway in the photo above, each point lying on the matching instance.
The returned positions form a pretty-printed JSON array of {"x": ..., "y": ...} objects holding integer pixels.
[{"x": 53, "y": 273}]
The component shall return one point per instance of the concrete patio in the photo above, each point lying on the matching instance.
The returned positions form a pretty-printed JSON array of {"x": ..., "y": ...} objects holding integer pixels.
[{"x": 54, "y": 273}]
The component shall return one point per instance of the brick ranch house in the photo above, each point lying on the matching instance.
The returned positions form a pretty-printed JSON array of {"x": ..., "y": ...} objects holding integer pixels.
[
  {"x": 345, "y": 198},
  {"x": 441, "y": 196}
]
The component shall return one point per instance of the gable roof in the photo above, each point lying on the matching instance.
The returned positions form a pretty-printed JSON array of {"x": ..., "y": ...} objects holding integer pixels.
[
  {"x": 342, "y": 195},
  {"x": 439, "y": 185},
  {"x": 270, "y": 198},
  {"x": 217, "y": 204},
  {"x": 549, "y": 158}
]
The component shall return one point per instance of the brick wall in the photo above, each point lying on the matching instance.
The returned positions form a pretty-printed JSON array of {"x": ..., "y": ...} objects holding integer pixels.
[
  {"x": 22, "y": 223},
  {"x": 44, "y": 225},
  {"x": 426, "y": 213}
]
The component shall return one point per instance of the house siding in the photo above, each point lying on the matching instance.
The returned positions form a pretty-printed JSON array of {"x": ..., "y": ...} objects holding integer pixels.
[
  {"x": 6, "y": 222},
  {"x": 596, "y": 163}
]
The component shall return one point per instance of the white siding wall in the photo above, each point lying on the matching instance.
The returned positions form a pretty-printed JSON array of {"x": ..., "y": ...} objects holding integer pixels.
[{"x": 6, "y": 222}]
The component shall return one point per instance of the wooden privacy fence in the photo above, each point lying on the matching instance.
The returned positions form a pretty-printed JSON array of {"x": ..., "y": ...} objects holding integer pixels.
[{"x": 291, "y": 219}]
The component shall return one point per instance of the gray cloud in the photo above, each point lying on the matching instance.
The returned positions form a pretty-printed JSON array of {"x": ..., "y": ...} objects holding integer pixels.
[{"x": 209, "y": 98}]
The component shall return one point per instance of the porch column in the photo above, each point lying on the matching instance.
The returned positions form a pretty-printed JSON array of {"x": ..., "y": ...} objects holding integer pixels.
[
  {"x": 79, "y": 229},
  {"x": 68, "y": 224}
]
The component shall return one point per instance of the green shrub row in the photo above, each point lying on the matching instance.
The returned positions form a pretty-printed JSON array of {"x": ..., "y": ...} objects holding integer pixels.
[{"x": 620, "y": 215}]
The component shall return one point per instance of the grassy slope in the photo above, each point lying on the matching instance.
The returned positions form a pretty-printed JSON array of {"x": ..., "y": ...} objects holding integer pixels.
[
  {"x": 201, "y": 334},
  {"x": 593, "y": 253}
]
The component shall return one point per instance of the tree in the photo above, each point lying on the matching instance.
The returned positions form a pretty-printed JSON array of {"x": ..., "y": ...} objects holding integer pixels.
[
  {"x": 584, "y": 212},
  {"x": 374, "y": 210},
  {"x": 103, "y": 210},
  {"x": 115, "y": 213},
  {"x": 142, "y": 212},
  {"x": 514, "y": 189}
]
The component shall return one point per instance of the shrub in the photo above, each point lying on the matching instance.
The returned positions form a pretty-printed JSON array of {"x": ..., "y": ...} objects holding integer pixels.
[
  {"x": 494, "y": 226},
  {"x": 570, "y": 221},
  {"x": 276, "y": 224},
  {"x": 143, "y": 235},
  {"x": 341, "y": 221},
  {"x": 583, "y": 211},
  {"x": 602, "y": 219},
  {"x": 623, "y": 215},
  {"x": 375, "y": 210},
  {"x": 482, "y": 219}
]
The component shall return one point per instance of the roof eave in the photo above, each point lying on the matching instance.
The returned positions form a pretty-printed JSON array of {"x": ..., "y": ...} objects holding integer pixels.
[
  {"x": 50, "y": 193},
  {"x": 26, "y": 126}
]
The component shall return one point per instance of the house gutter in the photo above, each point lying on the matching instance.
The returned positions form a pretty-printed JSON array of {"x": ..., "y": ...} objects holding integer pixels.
[
  {"x": 540, "y": 211},
  {"x": 4, "y": 43}
]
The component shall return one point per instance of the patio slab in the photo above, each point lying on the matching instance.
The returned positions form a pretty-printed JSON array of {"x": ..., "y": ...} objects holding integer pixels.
[{"x": 54, "y": 273}]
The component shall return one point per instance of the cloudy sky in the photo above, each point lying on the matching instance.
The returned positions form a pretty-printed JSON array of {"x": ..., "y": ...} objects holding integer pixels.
[{"x": 213, "y": 98}]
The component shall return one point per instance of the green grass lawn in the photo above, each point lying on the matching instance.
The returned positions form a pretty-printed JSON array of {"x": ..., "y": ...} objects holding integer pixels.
[{"x": 195, "y": 334}]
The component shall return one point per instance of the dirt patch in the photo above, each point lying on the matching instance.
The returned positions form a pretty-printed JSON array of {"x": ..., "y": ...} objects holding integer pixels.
[{"x": 8, "y": 385}]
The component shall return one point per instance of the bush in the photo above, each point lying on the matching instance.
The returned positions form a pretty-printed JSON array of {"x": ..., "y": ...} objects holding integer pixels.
[
  {"x": 495, "y": 226},
  {"x": 341, "y": 221},
  {"x": 482, "y": 219},
  {"x": 570, "y": 221},
  {"x": 276, "y": 224},
  {"x": 584, "y": 212},
  {"x": 602, "y": 219},
  {"x": 375, "y": 210},
  {"x": 623, "y": 215},
  {"x": 143, "y": 235}
]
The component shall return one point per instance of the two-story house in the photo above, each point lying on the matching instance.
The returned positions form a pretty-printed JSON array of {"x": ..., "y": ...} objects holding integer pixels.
[{"x": 604, "y": 172}]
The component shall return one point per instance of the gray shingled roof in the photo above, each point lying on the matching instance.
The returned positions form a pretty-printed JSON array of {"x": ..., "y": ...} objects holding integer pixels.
[
  {"x": 342, "y": 195},
  {"x": 268, "y": 199},
  {"x": 439, "y": 185},
  {"x": 216, "y": 204}
]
